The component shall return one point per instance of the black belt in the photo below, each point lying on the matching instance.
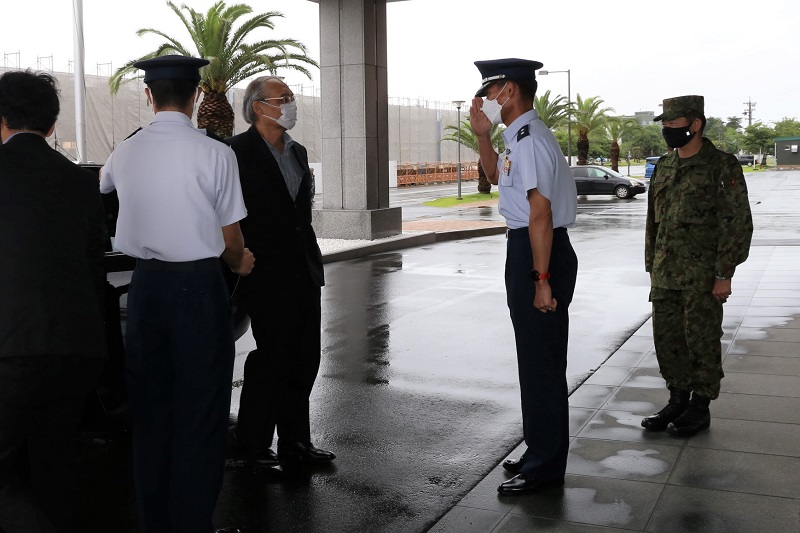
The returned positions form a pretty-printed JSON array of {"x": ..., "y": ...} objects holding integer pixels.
[
  {"x": 201, "y": 265},
  {"x": 518, "y": 233}
]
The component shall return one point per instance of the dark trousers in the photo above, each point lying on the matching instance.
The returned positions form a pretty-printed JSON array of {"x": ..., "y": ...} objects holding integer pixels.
[
  {"x": 687, "y": 328},
  {"x": 41, "y": 403},
  {"x": 179, "y": 366},
  {"x": 541, "y": 340},
  {"x": 280, "y": 373}
]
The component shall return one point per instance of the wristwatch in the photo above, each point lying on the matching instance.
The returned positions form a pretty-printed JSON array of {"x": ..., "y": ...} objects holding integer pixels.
[
  {"x": 720, "y": 277},
  {"x": 536, "y": 275}
]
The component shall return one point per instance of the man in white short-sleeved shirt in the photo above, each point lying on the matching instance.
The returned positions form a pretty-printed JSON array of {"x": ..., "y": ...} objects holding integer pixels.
[
  {"x": 180, "y": 205},
  {"x": 539, "y": 202}
]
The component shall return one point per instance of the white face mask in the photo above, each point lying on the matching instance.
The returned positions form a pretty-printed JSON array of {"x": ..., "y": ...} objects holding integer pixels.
[
  {"x": 492, "y": 109},
  {"x": 288, "y": 116}
]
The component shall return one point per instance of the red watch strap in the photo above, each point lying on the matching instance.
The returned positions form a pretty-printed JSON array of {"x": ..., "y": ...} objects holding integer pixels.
[{"x": 544, "y": 275}]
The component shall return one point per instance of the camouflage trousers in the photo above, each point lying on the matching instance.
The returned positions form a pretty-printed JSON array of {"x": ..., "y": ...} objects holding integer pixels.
[{"x": 687, "y": 328}]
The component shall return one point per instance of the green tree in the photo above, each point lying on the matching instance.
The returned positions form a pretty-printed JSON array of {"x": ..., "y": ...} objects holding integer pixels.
[
  {"x": 588, "y": 116},
  {"x": 600, "y": 144},
  {"x": 734, "y": 122},
  {"x": 787, "y": 127},
  {"x": 646, "y": 142},
  {"x": 232, "y": 60},
  {"x": 759, "y": 139},
  {"x": 470, "y": 140},
  {"x": 552, "y": 112},
  {"x": 617, "y": 129}
]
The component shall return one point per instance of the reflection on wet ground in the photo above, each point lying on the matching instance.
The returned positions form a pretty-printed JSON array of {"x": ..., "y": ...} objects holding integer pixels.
[
  {"x": 418, "y": 397},
  {"x": 739, "y": 476}
]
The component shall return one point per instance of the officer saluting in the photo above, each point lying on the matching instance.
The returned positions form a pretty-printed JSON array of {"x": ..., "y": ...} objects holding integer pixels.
[
  {"x": 539, "y": 202},
  {"x": 180, "y": 206}
]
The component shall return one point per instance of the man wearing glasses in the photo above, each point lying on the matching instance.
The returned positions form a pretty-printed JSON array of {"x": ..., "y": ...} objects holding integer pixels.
[{"x": 283, "y": 295}]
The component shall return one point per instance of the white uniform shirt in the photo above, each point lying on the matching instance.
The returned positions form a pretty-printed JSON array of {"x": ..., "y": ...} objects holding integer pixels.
[
  {"x": 177, "y": 188},
  {"x": 534, "y": 160}
]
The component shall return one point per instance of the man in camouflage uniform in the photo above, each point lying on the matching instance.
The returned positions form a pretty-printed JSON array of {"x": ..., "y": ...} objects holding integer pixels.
[{"x": 699, "y": 228}]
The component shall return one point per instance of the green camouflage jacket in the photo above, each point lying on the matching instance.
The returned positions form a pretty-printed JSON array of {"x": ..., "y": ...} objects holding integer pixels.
[{"x": 699, "y": 222}]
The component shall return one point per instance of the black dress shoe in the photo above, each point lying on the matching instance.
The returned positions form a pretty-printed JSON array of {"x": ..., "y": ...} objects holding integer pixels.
[
  {"x": 303, "y": 451},
  {"x": 513, "y": 466},
  {"x": 266, "y": 458},
  {"x": 229, "y": 530},
  {"x": 520, "y": 484},
  {"x": 263, "y": 458}
]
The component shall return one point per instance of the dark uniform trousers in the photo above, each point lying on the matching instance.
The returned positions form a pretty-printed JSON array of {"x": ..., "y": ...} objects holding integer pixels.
[
  {"x": 41, "y": 402},
  {"x": 179, "y": 366},
  {"x": 687, "y": 328},
  {"x": 285, "y": 315},
  {"x": 542, "y": 341}
]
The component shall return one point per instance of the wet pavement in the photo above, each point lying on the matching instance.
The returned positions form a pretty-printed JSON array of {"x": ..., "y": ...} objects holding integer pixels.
[{"x": 418, "y": 394}]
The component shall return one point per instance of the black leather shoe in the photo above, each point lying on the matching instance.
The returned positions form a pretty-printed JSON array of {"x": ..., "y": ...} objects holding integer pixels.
[
  {"x": 229, "y": 530},
  {"x": 266, "y": 458},
  {"x": 696, "y": 418},
  {"x": 677, "y": 405},
  {"x": 303, "y": 451},
  {"x": 512, "y": 465},
  {"x": 521, "y": 484}
]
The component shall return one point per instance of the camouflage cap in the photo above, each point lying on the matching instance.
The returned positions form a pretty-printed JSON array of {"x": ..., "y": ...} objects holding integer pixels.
[{"x": 681, "y": 106}]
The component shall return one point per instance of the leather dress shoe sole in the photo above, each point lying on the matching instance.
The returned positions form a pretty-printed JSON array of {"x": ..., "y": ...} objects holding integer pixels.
[
  {"x": 520, "y": 484},
  {"x": 513, "y": 465}
]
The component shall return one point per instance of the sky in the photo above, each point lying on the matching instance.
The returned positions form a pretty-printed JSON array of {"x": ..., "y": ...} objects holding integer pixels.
[{"x": 630, "y": 53}]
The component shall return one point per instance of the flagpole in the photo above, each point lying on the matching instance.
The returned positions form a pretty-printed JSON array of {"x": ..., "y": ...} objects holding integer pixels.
[{"x": 80, "y": 82}]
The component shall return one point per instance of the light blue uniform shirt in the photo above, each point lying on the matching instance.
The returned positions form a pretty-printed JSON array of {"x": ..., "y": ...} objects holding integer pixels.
[
  {"x": 534, "y": 160},
  {"x": 177, "y": 188}
]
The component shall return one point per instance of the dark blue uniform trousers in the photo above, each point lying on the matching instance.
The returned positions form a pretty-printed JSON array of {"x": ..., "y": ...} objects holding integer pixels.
[
  {"x": 541, "y": 340},
  {"x": 179, "y": 366}
]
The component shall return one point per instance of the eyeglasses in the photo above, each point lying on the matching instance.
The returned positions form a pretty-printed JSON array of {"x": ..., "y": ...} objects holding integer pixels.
[{"x": 284, "y": 99}]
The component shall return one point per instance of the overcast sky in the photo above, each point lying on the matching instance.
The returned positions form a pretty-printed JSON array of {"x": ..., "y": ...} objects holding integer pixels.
[{"x": 631, "y": 53}]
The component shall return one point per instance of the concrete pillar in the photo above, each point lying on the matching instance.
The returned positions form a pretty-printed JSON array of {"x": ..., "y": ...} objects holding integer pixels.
[{"x": 355, "y": 148}]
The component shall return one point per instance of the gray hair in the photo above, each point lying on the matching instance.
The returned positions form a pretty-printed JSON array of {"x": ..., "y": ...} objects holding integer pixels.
[{"x": 254, "y": 93}]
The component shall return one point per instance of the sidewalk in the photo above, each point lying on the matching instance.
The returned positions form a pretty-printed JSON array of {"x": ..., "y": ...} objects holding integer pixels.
[{"x": 741, "y": 475}]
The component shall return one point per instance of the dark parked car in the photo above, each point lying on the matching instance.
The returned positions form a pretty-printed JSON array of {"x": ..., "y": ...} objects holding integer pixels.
[
  {"x": 746, "y": 160},
  {"x": 650, "y": 164},
  {"x": 592, "y": 179}
]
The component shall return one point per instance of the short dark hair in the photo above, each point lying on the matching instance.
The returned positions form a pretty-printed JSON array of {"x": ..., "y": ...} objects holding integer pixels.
[
  {"x": 527, "y": 88},
  {"x": 169, "y": 93},
  {"x": 29, "y": 100}
]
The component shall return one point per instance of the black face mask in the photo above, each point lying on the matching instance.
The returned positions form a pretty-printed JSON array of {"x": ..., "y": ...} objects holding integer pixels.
[{"x": 677, "y": 137}]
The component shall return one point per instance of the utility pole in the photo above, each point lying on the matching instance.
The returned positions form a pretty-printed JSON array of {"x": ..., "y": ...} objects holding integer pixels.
[{"x": 748, "y": 112}]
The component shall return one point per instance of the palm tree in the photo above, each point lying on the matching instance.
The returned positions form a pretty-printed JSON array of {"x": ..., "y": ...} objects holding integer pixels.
[
  {"x": 588, "y": 116},
  {"x": 232, "y": 60},
  {"x": 552, "y": 113},
  {"x": 470, "y": 140},
  {"x": 619, "y": 128}
]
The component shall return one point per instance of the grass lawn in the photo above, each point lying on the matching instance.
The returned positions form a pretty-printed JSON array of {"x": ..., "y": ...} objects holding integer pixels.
[{"x": 451, "y": 201}]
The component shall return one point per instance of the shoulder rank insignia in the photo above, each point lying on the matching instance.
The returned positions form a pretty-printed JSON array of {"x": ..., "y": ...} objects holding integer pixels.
[{"x": 522, "y": 133}]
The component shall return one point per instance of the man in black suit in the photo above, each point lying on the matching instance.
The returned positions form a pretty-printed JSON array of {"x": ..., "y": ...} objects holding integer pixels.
[
  {"x": 282, "y": 296},
  {"x": 52, "y": 282}
]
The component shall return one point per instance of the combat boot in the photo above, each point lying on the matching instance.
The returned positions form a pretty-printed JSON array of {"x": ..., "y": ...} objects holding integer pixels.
[
  {"x": 678, "y": 403},
  {"x": 694, "y": 419}
]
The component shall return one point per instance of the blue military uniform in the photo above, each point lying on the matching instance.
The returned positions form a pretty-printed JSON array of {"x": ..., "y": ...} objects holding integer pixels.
[
  {"x": 177, "y": 188},
  {"x": 533, "y": 160}
]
